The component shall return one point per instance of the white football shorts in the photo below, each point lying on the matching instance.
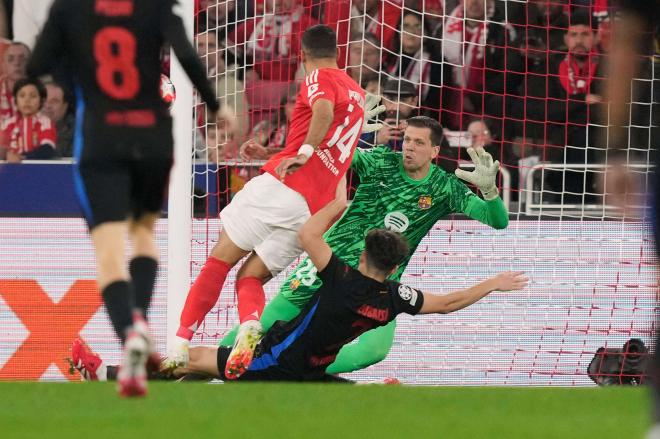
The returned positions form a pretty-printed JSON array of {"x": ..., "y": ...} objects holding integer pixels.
[{"x": 265, "y": 216}]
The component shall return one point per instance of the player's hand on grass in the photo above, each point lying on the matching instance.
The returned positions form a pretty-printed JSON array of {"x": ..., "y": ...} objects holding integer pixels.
[
  {"x": 484, "y": 174},
  {"x": 371, "y": 110},
  {"x": 290, "y": 165},
  {"x": 252, "y": 150},
  {"x": 511, "y": 281}
]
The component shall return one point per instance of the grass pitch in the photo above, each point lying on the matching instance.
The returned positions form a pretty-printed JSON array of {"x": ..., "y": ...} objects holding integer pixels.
[{"x": 195, "y": 410}]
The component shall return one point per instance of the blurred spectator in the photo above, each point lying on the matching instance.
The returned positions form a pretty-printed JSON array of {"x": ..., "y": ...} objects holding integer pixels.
[
  {"x": 413, "y": 58},
  {"x": 29, "y": 134},
  {"x": 352, "y": 19},
  {"x": 270, "y": 135},
  {"x": 216, "y": 15},
  {"x": 401, "y": 102},
  {"x": 486, "y": 63},
  {"x": 562, "y": 113},
  {"x": 482, "y": 137},
  {"x": 546, "y": 24},
  {"x": 372, "y": 84},
  {"x": 575, "y": 85},
  {"x": 364, "y": 57},
  {"x": 221, "y": 137},
  {"x": 273, "y": 41},
  {"x": 230, "y": 89},
  {"x": 14, "y": 64},
  {"x": 269, "y": 46},
  {"x": 59, "y": 108}
]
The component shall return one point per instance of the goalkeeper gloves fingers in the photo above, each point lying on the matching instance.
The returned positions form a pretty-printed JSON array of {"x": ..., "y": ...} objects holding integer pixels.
[
  {"x": 484, "y": 174},
  {"x": 371, "y": 110}
]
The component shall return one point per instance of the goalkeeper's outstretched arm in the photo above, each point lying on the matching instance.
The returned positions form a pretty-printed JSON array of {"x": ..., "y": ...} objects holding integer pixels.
[{"x": 507, "y": 281}]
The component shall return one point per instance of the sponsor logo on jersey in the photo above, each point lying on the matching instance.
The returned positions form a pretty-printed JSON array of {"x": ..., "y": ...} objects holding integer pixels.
[
  {"x": 378, "y": 314},
  {"x": 425, "y": 202},
  {"x": 397, "y": 221},
  {"x": 408, "y": 294}
]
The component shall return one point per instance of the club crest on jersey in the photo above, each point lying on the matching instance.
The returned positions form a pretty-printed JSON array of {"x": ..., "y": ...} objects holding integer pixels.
[
  {"x": 425, "y": 202},
  {"x": 294, "y": 284},
  {"x": 408, "y": 294},
  {"x": 396, "y": 221}
]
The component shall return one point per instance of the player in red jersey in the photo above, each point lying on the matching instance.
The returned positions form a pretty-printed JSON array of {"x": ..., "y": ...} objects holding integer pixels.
[{"x": 263, "y": 219}]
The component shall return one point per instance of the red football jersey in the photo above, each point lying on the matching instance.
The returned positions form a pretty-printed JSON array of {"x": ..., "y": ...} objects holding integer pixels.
[
  {"x": 317, "y": 179},
  {"x": 25, "y": 134}
]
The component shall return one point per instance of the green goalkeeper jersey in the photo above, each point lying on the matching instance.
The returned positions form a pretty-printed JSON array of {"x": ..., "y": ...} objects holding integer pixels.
[{"x": 388, "y": 198}]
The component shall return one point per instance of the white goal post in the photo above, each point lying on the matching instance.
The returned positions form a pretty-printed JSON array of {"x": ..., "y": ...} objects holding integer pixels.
[{"x": 179, "y": 222}]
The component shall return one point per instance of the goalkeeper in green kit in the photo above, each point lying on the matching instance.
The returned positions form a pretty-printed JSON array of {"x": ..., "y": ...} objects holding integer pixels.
[{"x": 402, "y": 191}]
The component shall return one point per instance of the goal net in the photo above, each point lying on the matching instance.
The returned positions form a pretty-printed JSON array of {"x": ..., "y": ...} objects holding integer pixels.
[{"x": 507, "y": 75}]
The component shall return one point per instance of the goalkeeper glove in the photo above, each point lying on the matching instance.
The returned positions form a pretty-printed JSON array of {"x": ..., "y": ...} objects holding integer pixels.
[
  {"x": 371, "y": 110},
  {"x": 483, "y": 176}
]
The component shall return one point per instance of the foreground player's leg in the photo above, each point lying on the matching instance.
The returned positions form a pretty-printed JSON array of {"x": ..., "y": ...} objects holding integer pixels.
[
  {"x": 143, "y": 269},
  {"x": 203, "y": 295},
  {"x": 371, "y": 348},
  {"x": 279, "y": 308},
  {"x": 109, "y": 244},
  {"x": 251, "y": 301}
]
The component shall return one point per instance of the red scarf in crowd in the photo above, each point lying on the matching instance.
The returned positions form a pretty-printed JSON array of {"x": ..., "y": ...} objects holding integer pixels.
[
  {"x": 575, "y": 79},
  {"x": 464, "y": 47}
]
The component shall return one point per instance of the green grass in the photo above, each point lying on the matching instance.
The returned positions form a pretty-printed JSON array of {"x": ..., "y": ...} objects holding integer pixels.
[{"x": 193, "y": 410}]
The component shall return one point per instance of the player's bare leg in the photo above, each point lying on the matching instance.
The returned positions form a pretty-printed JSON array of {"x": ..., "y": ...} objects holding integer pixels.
[
  {"x": 203, "y": 295},
  {"x": 109, "y": 243},
  {"x": 143, "y": 269},
  {"x": 203, "y": 360},
  {"x": 251, "y": 301}
]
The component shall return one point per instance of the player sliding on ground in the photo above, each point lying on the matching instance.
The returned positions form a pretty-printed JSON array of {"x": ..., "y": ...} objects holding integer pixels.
[
  {"x": 263, "y": 219},
  {"x": 404, "y": 192},
  {"x": 350, "y": 302}
]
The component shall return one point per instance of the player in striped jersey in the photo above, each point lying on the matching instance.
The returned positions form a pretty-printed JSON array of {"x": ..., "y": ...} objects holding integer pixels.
[{"x": 400, "y": 191}]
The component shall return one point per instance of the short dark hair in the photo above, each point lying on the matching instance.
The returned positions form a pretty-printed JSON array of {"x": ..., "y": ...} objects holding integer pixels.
[
  {"x": 581, "y": 18},
  {"x": 41, "y": 88},
  {"x": 385, "y": 249},
  {"x": 320, "y": 41},
  {"x": 437, "y": 132}
]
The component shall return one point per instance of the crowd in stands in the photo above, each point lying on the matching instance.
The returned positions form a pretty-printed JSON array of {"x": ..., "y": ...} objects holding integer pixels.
[{"x": 524, "y": 79}]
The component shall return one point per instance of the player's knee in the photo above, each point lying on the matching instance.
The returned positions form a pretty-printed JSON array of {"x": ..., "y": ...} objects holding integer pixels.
[
  {"x": 374, "y": 353},
  {"x": 254, "y": 268}
]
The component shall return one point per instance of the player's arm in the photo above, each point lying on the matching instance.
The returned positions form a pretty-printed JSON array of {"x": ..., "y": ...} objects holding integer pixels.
[
  {"x": 173, "y": 31},
  {"x": 507, "y": 281},
  {"x": 311, "y": 233},
  {"x": 364, "y": 160},
  {"x": 49, "y": 47},
  {"x": 490, "y": 212},
  {"x": 323, "y": 113}
]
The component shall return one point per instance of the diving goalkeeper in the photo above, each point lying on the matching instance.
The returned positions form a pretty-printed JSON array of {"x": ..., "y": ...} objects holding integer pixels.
[{"x": 404, "y": 192}]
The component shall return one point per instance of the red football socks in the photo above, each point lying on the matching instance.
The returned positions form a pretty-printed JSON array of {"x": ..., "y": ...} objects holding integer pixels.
[
  {"x": 251, "y": 298},
  {"x": 203, "y": 296}
]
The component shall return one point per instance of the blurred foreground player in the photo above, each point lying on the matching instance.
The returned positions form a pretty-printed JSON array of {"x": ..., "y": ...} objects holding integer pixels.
[
  {"x": 350, "y": 302},
  {"x": 123, "y": 144},
  {"x": 263, "y": 219},
  {"x": 638, "y": 20},
  {"x": 402, "y": 191}
]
